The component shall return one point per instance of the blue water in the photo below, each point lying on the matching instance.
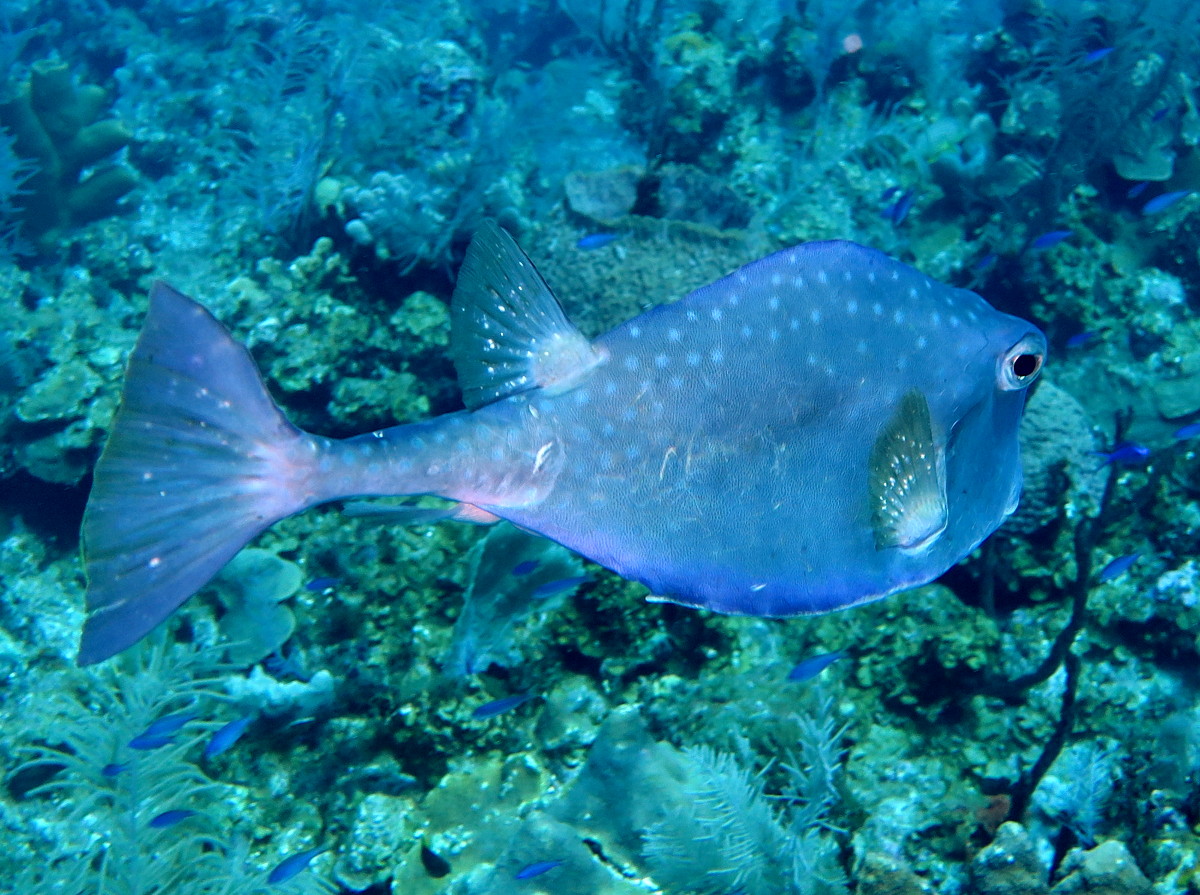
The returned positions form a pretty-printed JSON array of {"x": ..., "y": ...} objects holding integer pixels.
[{"x": 312, "y": 173}]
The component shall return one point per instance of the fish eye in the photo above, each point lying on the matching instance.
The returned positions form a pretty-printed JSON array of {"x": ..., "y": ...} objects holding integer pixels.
[{"x": 1022, "y": 363}]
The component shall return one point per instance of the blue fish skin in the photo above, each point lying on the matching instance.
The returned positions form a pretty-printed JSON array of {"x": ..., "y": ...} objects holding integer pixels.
[
  {"x": 226, "y": 735},
  {"x": 524, "y": 568},
  {"x": 145, "y": 742},
  {"x": 320, "y": 584},
  {"x": 1163, "y": 201},
  {"x": 1118, "y": 567},
  {"x": 1080, "y": 340},
  {"x": 596, "y": 241},
  {"x": 1051, "y": 239},
  {"x": 1127, "y": 453},
  {"x": 170, "y": 818},
  {"x": 536, "y": 869},
  {"x": 811, "y": 667},
  {"x": 500, "y": 706},
  {"x": 169, "y": 724},
  {"x": 743, "y": 449},
  {"x": 1191, "y": 430},
  {"x": 291, "y": 866}
]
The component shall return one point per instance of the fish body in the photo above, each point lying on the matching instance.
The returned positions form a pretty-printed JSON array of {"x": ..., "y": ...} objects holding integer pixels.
[{"x": 820, "y": 428}]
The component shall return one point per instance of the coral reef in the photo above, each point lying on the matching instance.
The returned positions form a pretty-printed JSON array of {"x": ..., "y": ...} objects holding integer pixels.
[{"x": 313, "y": 174}]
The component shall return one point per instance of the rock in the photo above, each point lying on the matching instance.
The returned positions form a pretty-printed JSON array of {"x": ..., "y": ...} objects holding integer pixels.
[
  {"x": 1010, "y": 865},
  {"x": 603, "y": 196},
  {"x": 1107, "y": 869}
]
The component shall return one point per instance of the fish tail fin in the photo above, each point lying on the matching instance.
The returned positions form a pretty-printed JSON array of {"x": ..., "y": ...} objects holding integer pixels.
[{"x": 199, "y": 461}]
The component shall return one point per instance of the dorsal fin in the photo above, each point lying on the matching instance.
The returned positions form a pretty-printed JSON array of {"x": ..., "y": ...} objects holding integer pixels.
[{"x": 508, "y": 332}]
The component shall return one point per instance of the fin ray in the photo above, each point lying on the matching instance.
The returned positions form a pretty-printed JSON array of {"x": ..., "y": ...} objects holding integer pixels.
[
  {"x": 908, "y": 479},
  {"x": 199, "y": 461},
  {"x": 509, "y": 333}
]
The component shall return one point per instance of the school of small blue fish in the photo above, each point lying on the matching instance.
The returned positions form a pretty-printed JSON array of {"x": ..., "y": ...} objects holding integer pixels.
[{"x": 823, "y": 427}]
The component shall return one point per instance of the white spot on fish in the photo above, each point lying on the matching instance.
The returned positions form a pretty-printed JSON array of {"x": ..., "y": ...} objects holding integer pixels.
[
  {"x": 922, "y": 341},
  {"x": 717, "y": 356},
  {"x": 773, "y": 302},
  {"x": 661, "y": 361},
  {"x": 635, "y": 332},
  {"x": 851, "y": 307},
  {"x": 773, "y": 335},
  {"x": 793, "y": 324},
  {"x": 673, "y": 335},
  {"x": 631, "y": 362},
  {"x": 898, "y": 316},
  {"x": 871, "y": 276},
  {"x": 776, "y": 279},
  {"x": 877, "y": 308},
  {"x": 734, "y": 298},
  {"x": 610, "y": 388},
  {"x": 693, "y": 359},
  {"x": 715, "y": 313},
  {"x": 814, "y": 315},
  {"x": 582, "y": 397},
  {"x": 746, "y": 332},
  {"x": 822, "y": 277}
]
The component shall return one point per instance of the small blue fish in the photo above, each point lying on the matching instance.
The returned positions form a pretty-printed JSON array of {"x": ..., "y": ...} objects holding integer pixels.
[
  {"x": 144, "y": 742},
  {"x": 537, "y": 868},
  {"x": 524, "y": 568},
  {"x": 550, "y": 588},
  {"x": 898, "y": 210},
  {"x": 500, "y": 706},
  {"x": 1163, "y": 201},
  {"x": 170, "y": 818},
  {"x": 811, "y": 667},
  {"x": 226, "y": 736},
  {"x": 986, "y": 262},
  {"x": 1097, "y": 55},
  {"x": 596, "y": 241},
  {"x": 1137, "y": 189},
  {"x": 1079, "y": 340},
  {"x": 1118, "y": 567},
  {"x": 113, "y": 768},
  {"x": 1127, "y": 453},
  {"x": 289, "y": 867},
  {"x": 1051, "y": 239},
  {"x": 169, "y": 724},
  {"x": 317, "y": 585},
  {"x": 1191, "y": 430},
  {"x": 285, "y": 667}
]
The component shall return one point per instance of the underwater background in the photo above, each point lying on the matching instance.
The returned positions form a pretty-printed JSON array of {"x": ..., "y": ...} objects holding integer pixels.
[{"x": 357, "y": 706}]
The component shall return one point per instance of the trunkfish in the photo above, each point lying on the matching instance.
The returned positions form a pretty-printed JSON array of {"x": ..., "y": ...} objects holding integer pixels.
[{"x": 822, "y": 427}]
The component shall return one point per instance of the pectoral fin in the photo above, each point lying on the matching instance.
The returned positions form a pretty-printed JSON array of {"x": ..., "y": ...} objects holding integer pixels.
[{"x": 907, "y": 479}]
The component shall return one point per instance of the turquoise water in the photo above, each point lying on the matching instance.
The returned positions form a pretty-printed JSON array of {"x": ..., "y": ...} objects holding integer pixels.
[{"x": 448, "y": 708}]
